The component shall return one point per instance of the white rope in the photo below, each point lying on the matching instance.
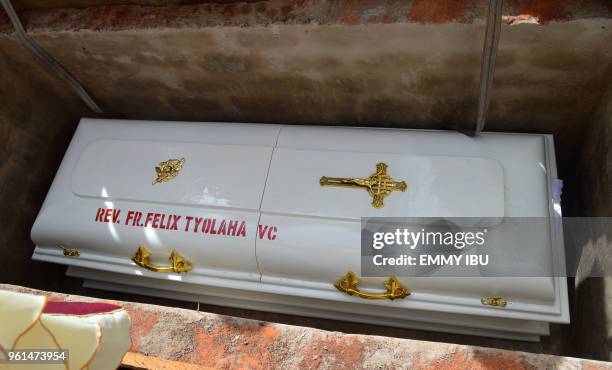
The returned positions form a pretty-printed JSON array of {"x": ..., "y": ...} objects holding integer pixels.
[
  {"x": 487, "y": 69},
  {"x": 47, "y": 59}
]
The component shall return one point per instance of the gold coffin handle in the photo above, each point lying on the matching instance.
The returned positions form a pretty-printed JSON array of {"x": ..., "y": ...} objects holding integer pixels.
[
  {"x": 495, "y": 301},
  {"x": 178, "y": 263},
  {"x": 395, "y": 289}
]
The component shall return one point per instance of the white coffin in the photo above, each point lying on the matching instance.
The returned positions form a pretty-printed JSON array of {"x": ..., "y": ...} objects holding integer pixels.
[{"x": 285, "y": 239}]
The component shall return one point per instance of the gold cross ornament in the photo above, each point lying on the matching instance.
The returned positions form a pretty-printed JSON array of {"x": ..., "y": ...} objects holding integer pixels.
[{"x": 379, "y": 184}]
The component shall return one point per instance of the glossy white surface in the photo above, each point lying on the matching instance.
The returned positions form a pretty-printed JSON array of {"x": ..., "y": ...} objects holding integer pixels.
[
  {"x": 437, "y": 186},
  {"x": 301, "y": 237},
  {"x": 230, "y": 176},
  {"x": 73, "y": 227},
  {"x": 486, "y": 176},
  {"x": 328, "y": 248},
  {"x": 522, "y": 157},
  {"x": 111, "y": 165}
]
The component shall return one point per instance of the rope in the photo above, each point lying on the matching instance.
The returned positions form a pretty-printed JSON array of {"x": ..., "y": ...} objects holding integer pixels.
[{"x": 47, "y": 59}]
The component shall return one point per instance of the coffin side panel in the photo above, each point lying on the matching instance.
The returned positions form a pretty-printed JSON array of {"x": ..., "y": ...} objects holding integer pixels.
[{"x": 103, "y": 201}]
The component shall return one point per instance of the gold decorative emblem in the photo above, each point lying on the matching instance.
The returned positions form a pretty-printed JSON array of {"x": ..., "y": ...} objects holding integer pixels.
[
  {"x": 394, "y": 288},
  {"x": 168, "y": 170},
  {"x": 494, "y": 301},
  {"x": 70, "y": 252},
  {"x": 379, "y": 185},
  {"x": 178, "y": 263}
]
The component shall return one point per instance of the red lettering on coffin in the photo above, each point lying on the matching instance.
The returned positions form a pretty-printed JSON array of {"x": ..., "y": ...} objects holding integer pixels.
[
  {"x": 212, "y": 227},
  {"x": 148, "y": 219},
  {"x": 269, "y": 231},
  {"x": 161, "y": 221},
  {"x": 242, "y": 229},
  {"x": 206, "y": 226},
  {"x": 99, "y": 215},
  {"x": 109, "y": 215},
  {"x": 175, "y": 219},
  {"x": 198, "y": 221},
  {"x": 272, "y": 233},
  {"x": 137, "y": 218},
  {"x": 222, "y": 228},
  {"x": 129, "y": 217},
  {"x": 188, "y": 218},
  {"x": 231, "y": 228}
]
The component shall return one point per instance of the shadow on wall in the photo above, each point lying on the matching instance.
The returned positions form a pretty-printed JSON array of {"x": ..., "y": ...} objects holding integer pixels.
[
  {"x": 592, "y": 312},
  {"x": 590, "y": 330},
  {"x": 38, "y": 116}
]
